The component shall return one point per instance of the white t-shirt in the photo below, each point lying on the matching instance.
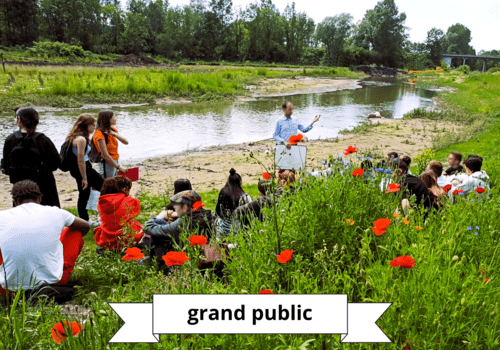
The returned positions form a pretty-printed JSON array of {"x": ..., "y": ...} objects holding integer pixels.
[{"x": 29, "y": 242}]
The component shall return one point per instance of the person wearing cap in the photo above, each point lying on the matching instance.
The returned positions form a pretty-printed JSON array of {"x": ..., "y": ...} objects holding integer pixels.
[
  {"x": 286, "y": 126},
  {"x": 192, "y": 217},
  {"x": 39, "y": 244}
]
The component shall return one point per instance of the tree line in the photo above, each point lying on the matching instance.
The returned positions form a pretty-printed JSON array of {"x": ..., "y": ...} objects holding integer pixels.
[{"x": 216, "y": 30}]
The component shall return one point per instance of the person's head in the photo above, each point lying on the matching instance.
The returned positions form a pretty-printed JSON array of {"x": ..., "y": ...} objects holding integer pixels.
[
  {"x": 182, "y": 185},
  {"x": 472, "y": 164},
  {"x": 27, "y": 118},
  {"x": 234, "y": 179},
  {"x": 287, "y": 177},
  {"x": 26, "y": 191},
  {"x": 183, "y": 202},
  {"x": 428, "y": 179},
  {"x": 435, "y": 167},
  {"x": 106, "y": 120},
  {"x": 407, "y": 160},
  {"x": 117, "y": 184},
  {"x": 454, "y": 159},
  {"x": 264, "y": 187},
  {"x": 391, "y": 156},
  {"x": 287, "y": 108},
  {"x": 84, "y": 126},
  {"x": 402, "y": 169}
]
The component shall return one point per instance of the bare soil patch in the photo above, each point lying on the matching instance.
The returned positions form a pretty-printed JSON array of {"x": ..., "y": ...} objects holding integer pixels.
[{"x": 208, "y": 169}]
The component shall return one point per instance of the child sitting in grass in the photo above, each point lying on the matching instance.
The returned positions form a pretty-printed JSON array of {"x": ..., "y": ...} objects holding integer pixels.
[
  {"x": 118, "y": 210},
  {"x": 473, "y": 178}
]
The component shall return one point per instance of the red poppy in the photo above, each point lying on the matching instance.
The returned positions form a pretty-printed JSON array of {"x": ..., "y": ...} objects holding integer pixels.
[
  {"x": 197, "y": 205},
  {"x": 382, "y": 223},
  {"x": 393, "y": 188},
  {"x": 407, "y": 347},
  {"x": 285, "y": 256},
  {"x": 447, "y": 188},
  {"x": 197, "y": 240},
  {"x": 379, "y": 231},
  {"x": 403, "y": 261},
  {"x": 266, "y": 176},
  {"x": 350, "y": 150},
  {"x": 486, "y": 280},
  {"x": 457, "y": 192},
  {"x": 295, "y": 138},
  {"x": 133, "y": 254},
  {"x": 175, "y": 258},
  {"x": 266, "y": 291},
  {"x": 59, "y": 332},
  {"x": 479, "y": 190},
  {"x": 358, "y": 172}
]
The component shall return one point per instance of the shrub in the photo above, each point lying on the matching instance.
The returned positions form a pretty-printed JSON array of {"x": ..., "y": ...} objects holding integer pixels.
[
  {"x": 464, "y": 69},
  {"x": 57, "y": 49}
]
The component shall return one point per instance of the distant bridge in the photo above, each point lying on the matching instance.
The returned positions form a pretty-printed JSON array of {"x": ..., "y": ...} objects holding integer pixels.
[{"x": 447, "y": 59}]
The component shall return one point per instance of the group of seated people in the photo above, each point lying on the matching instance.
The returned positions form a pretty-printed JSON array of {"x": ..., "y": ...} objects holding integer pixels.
[{"x": 42, "y": 251}]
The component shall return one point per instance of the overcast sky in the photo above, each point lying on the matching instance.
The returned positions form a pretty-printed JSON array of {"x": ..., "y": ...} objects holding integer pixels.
[{"x": 482, "y": 17}]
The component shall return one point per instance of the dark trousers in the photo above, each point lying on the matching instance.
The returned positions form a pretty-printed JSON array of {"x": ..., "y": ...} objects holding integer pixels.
[{"x": 94, "y": 180}]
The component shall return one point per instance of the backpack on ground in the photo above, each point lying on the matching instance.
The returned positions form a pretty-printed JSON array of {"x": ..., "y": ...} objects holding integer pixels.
[
  {"x": 95, "y": 155},
  {"x": 66, "y": 155},
  {"x": 26, "y": 160}
]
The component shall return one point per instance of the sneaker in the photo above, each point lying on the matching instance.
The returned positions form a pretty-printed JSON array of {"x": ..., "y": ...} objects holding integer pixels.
[{"x": 94, "y": 223}]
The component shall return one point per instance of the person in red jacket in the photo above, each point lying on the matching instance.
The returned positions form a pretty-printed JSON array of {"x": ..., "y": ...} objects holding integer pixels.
[{"x": 118, "y": 210}]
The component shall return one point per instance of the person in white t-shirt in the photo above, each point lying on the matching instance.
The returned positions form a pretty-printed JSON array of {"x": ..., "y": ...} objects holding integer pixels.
[{"x": 38, "y": 244}]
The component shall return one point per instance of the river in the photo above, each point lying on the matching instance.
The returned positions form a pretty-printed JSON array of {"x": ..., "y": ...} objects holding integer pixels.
[{"x": 158, "y": 130}]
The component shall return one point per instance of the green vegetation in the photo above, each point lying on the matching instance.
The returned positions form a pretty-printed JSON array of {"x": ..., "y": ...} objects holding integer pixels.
[{"x": 72, "y": 86}]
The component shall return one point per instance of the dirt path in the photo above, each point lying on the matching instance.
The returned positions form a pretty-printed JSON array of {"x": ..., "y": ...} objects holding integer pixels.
[{"x": 208, "y": 169}]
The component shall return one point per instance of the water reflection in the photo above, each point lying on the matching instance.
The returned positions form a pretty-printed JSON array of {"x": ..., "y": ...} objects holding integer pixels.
[{"x": 160, "y": 130}]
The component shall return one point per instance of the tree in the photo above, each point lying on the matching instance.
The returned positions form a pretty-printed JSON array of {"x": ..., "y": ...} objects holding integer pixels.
[
  {"x": 20, "y": 25},
  {"x": 298, "y": 30},
  {"x": 434, "y": 43},
  {"x": 457, "y": 39},
  {"x": 382, "y": 30},
  {"x": 332, "y": 32}
]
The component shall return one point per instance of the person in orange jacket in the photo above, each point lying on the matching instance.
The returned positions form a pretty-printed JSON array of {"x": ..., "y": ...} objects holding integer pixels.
[{"x": 118, "y": 210}]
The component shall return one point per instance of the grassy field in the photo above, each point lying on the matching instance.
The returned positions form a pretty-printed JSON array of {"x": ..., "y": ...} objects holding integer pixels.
[
  {"x": 448, "y": 300},
  {"x": 75, "y": 85}
]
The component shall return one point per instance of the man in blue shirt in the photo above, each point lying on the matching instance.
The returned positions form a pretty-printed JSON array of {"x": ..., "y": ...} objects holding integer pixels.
[{"x": 287, "y": 127}]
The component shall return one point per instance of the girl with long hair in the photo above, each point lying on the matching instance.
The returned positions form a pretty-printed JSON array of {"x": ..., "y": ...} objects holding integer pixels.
[
  {"x": 106, "y": 140},
  {"x": 429, "y": 179},
  {"x": 30, "y": 155},
  {"x": 231, "y": 196},
  {"x": 80, "y": 166}
]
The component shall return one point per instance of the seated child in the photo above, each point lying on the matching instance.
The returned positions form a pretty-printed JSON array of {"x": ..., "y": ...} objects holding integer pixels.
[
  {"x": 473, "y": 178},
  {"x": 118, "y": 210},
  {"x": 39, "y": 244}
]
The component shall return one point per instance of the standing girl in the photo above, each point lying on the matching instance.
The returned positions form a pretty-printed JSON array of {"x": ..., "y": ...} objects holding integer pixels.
[
  {"x": 106, "y": 140},
  {"x": 80, "y": 167},
  {"x": 30, "y": 155}
]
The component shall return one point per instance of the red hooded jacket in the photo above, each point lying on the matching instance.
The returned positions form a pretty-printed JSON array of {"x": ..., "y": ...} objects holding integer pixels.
[{"x": 117, "y": 210}]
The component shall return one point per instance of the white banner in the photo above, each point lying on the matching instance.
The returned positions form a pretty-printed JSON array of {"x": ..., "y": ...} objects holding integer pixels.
[{"x": 250, "y": 314}]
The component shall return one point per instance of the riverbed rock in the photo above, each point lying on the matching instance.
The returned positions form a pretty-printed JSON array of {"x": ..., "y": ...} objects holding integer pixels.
[{"x": 374, "y": 115}]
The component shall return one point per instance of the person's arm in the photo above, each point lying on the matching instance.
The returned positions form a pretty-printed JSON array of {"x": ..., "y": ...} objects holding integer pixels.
[
  {"x": 81, "y": 144},
  {"x": 119, "y": 137},
  {"x": 218, "y": 209},
  {"x": 51, "y": 154},
  {"x": 276, "y": 134},
  {"x": 80, "y": 225},
  {"x": 406, "y": 206},
  {"x": 5, "y": 160},
  {"x": 107, "y": 157},
  {"x": 307, "y": 128},
  {"x": 163, "y": 231}
]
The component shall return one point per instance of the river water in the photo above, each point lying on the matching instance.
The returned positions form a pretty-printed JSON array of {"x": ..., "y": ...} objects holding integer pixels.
[{"x": 155, "y": 130}]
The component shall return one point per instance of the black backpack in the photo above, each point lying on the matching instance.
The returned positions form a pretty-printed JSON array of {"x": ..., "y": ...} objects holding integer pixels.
[
  {"x": 95, "y": 155},
  {"x": 26, "y": 160},
  {"x": 67, "y": 155}
]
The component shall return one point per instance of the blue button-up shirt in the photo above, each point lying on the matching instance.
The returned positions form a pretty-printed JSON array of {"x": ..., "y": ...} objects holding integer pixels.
[{"x": 287, "y": 127}]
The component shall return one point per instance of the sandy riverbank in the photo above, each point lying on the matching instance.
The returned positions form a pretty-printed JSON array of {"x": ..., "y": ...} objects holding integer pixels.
[{"x": 208, "y": 169}]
